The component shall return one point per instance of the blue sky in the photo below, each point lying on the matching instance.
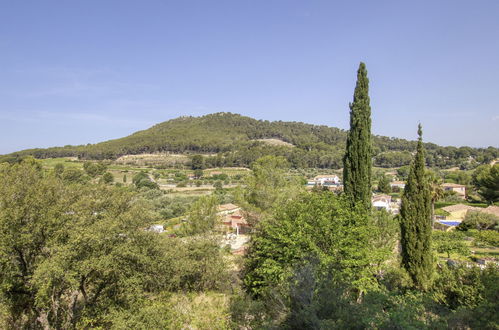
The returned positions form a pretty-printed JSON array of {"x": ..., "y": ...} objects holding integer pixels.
[{"x": 76, "y": 72}]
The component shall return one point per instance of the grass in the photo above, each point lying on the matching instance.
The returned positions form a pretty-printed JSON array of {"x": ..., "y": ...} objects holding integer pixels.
[{"x": 66, "y": 161}]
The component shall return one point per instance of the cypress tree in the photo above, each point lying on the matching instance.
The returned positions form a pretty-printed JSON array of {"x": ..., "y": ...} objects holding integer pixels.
[
  {"x": 357, "y": 161},
  {"x": 415, "y": 223}
]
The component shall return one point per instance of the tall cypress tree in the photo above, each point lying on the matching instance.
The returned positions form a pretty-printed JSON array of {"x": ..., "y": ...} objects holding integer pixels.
[
  {"x": 357, "y": 161},
  {"x": 415, "y": 223}
]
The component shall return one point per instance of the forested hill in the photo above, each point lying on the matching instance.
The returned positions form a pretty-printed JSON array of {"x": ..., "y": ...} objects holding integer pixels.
[{"x": 237, "y": 141}]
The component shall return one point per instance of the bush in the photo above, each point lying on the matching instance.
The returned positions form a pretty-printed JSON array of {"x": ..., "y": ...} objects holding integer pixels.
[{"x": 487, "y": 237}]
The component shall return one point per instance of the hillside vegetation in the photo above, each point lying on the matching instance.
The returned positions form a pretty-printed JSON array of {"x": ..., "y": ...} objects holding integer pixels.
[{"x": 238, "y": 140}]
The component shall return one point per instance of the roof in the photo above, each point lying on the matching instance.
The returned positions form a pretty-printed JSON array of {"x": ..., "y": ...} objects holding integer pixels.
[
  {"x": 397, "y": 182},
  {"x": 227, "y": 207},
  {"x": 326, "y": 176},
  {"x": 458, "y": 207},
  {"x": 381, "y": 197},
  {"x": 492, "y": 210},
  {"x": 453, "y": 185}
]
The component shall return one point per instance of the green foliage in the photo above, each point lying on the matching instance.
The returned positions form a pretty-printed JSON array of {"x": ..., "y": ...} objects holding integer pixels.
[
  {"x": 108, "y": 178},
  {"x": 357, "y": 162},
  {"x": 486, "y": 180},
  {"x": 94, "y": 169},
  {"x": 479, "y": 220},
  {"x": 202, "y": 217},
  {"x": 71, "y": 256},
  {"x": 450, "y": 243},
  {"x": 403, "y": 172},
  {"x": 487, "y": 238},
  {"x": 142, "y": 179},
  {"x": 197, "y": 162},
  {"x": 318, "y": 226},
  {"x": 74, "y": 175},
  {"x": 270, "y": 184},
  {"x": 198, "y": 173},
  {"x": 384, "y": 185},
  {"x": 234, "y": 138},
  {"x": 416, "y": 223},
  {"x": 59, "y": 169}
]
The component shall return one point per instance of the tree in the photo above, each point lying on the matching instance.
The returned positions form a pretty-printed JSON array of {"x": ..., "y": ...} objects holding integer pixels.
[
  {"x": 108, "y": 178},
  {"x": 450, "y": 242},
  {"x": 317, "y": 226},
  {"x": 59, "y": 169},
  {"x": 486, "y": 179},
  {"x": 202, "y": 217},
  {"x": 94, "y": 169},
  {"x": 479, "y": 220},
  {"x": 74, "y": 175},
  {"x": 357, "y": 162},
  {"x": 31, "y": 210},
  {"x": 436, "y": 190},
  {"x": 197, "y": 162},
  {"x": 198, "y": 173},
  {"x": 416, "y": 222},
  {"x": 384, "y": 185},
  {"x": 269, "y": 183},
  {"x": 142, "y": 179}
]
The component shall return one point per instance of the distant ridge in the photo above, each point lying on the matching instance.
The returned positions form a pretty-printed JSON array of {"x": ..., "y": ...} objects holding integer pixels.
[{"x": 235, "y": 138}]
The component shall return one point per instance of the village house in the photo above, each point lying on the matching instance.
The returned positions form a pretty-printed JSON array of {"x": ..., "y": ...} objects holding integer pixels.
[
  {"x": 382, "y": 202},
  {"x": 233, "y": 219},
  {"x": 459, "y": 189},
  {"x": 397, "y": 184},
  {"x": 157, "y": 228},
  {"x": 325, "y": 180}
]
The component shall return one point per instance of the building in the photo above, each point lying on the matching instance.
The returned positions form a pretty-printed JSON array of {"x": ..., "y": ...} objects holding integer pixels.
[
  {"x": 397, "y": 184},
  {"x": 459, "y": 189},
  {"x": 382, "y": 202},
  {"x": 327, "y": 179},
  {"x": 233, "y": 219},
  {"x": 324, "y": 180},
  {"x": 228, "y": 208},
  {"x": 157, "y": 228}
]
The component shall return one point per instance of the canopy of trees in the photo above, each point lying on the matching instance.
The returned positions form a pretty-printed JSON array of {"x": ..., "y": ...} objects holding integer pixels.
[{"x": 235, "y": 139}]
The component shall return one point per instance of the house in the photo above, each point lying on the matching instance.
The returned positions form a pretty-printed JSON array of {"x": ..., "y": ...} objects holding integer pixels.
[
  {"x": 382, "y": 201},
  {"x": 459, "y": 189},
  {"x": 233, "y": 219},
  {"x": 227, "y": 208},
  {"x": 157, "y": 228},
  {"x": 397, "y": 184},
  {"x": 325, "y": 180}
]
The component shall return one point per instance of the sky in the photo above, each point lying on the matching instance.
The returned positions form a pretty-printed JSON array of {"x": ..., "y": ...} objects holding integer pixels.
[{"x": 85, "y": 71}]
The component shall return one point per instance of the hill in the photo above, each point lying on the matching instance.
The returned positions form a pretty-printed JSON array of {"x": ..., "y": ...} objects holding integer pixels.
[{"x": 238, "y": 140}]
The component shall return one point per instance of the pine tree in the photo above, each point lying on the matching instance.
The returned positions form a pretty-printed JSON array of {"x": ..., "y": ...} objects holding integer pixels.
[
  {"x": 357, "y": 161},
  {"x": 416, "y": 223}
]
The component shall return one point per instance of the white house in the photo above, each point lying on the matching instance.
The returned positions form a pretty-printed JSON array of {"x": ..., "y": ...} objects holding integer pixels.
[
  {"x": 398, "y": 184},
  {"x": 382, "y": 201},
  {"x": 326, "y": 179},
  {"x": 157, "y": 228}
]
